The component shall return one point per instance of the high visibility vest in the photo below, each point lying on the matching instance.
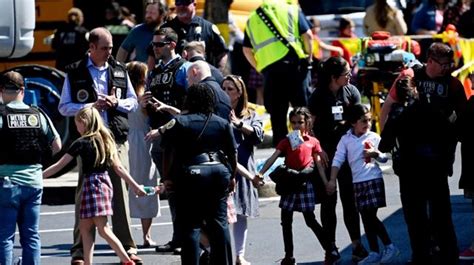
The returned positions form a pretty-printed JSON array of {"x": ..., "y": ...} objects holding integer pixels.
[{"x": 267, "y": 47}]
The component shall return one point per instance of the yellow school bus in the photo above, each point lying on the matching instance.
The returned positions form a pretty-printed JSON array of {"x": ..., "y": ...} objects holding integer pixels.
[{"x": 49, "y": 15}]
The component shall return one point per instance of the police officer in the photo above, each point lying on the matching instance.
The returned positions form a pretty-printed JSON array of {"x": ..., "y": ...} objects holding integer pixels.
[
  {"x": 427, "y": 136},
  {"x": 70, "y": 40},
  {"x": 278, "y": 43},
  {"x": 200, "y": 163},
  {"x": 194, "y": 28},
  {"x": 25, "y": 134},
  {"x": 100, "y": 81},
  {"x": 167, "y": 86}
]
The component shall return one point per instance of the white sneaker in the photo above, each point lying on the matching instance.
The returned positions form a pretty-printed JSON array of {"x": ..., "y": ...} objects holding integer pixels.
[
  {"x": 372, "y": 259},
  {"x": 389, "y": 254}
]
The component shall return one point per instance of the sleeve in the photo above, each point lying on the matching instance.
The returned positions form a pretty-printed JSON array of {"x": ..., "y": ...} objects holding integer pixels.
[
  {"x": 181, "y": 78},
  {"x": 48, "y": 128},
  {"x": 382, "y": 158},
  {"x": 419, "y": 18},
  {"x": 218, "y": 43},
  {"x": 130, "y": 103},
  {"x": 230, "y": 143},
  {"x": 357, "y": 99},
  {"x": 303, "y": 24},
  {"x": 257, "y": 125},
  {"x": 171, "y": 135},
  {"x": 387, "y": 141},
  {"x": 341, "y": 153},
  {"x": 128, "y": 42},
  {"x": 283, "y": 146},
  {"x": 400, "y": 23},
  {"x": 316, "y": 146},
  {"x": 66, "y": 107},
  {"x": 75, "y": 148}
]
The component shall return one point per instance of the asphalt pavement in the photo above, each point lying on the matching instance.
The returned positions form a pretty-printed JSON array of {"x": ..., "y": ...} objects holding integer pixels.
[{"x": 264, "y": 243}]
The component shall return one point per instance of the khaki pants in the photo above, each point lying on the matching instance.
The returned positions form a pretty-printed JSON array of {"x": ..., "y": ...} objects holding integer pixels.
[{"x": 121, "y": 217}]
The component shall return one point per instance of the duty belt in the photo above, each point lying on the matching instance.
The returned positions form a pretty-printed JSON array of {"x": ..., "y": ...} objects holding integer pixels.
[{"x": 205, "y": 158}]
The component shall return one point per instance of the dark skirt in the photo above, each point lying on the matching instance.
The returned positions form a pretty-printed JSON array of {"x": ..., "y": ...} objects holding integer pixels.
[
  {"x": 97, "y": 193},
  {"x": 303, "y": 201},
  {"x": 370, "y": 194}
]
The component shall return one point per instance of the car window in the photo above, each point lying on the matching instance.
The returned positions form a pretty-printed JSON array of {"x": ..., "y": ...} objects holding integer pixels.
[{"x": 320, "y": 7}]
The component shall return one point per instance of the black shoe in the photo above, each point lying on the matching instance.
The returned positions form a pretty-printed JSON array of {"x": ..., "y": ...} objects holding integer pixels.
[
  {"x": 288, "y": 261},
  {"x": 331, "y": 257},
  {"x": 168, "y": 247},
  {"x": 359, "y": 253}
]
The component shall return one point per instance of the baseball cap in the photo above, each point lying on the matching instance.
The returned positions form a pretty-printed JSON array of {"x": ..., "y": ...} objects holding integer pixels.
[{"x": 183, "y": 2}]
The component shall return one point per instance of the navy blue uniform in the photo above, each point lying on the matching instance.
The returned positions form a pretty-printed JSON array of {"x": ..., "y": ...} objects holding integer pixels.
[
  {"x": 199, "y": 30},
  {"x": 222, "y": 107},
  {"x": 201, "y": 181}
]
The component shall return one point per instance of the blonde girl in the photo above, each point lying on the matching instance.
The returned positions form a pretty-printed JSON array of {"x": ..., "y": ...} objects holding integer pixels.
[{"x": 97, "y": 149}]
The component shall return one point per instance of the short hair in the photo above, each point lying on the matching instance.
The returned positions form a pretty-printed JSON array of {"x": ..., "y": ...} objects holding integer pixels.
[
  {"x": 344, "y": 22},
  {"x": 439, "y": 50},
  {"x": 13, "y": 78},
  {"x": 197, "y": 46},
  {"x": 169, "y": 33},
  {"x": 200, "y": 99},
  {"x": 300, "y": 111},
  {"x": 96, "y": 34}
]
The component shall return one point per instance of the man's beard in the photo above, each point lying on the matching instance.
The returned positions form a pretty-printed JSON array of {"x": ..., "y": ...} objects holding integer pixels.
[{"x": 152, "y": 23}]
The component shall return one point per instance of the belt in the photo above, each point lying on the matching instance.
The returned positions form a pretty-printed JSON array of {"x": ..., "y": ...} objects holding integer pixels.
[{"x": 205, "y": 158}]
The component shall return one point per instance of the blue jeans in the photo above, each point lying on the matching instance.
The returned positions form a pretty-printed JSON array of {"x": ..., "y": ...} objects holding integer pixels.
[{"x": 20, "y": 204}]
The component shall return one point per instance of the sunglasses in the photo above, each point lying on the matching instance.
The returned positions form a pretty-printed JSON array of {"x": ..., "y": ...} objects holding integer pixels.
[
  {"x": 160, "y": 43},
  {"x": 446, "y": 65}
]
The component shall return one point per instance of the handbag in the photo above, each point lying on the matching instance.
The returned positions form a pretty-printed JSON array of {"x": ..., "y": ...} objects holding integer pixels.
[{"x": 289, "y": 181}]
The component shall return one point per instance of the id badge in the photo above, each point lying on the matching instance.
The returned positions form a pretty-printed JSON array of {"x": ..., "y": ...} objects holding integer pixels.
[{"x": 337, "y": 112}]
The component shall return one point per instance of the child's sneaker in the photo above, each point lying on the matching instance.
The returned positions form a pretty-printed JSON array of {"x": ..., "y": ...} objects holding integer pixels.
[
  {"x": 372, "y": 259},
  {"x": 332, "y": 257},
  {"x": 359, "y": 253},
  {"x": 467, "y": 254},
  {"x": 389, "y": 254}
]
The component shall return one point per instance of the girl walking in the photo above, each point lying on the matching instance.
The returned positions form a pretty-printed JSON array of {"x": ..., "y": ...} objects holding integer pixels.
[
  {"x": 359, "y": 147},
  {"x": 96, "y": 147},
  {"x": 298, "y": 157}
]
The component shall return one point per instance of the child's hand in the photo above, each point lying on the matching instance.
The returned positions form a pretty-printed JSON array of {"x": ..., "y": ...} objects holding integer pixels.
[
  {"x": 331, "y": 187},
  {"x": 257, "y": 181},
  {"x": 139, "y": 191}
]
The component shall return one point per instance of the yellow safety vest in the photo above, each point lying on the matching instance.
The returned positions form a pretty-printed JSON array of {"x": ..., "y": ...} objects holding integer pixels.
[{"x": 267, "y": 47}]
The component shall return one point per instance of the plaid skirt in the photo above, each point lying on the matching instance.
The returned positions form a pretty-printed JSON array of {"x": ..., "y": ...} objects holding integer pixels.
[
  {"x": 370, "y": 194},
  {"x": 302, "y": 201},
  {"x": 96, "y": 199}
]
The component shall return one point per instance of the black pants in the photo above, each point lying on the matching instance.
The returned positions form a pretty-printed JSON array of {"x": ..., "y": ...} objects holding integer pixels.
[
  {"x": 202, "y": 199},
  {"x": 284, "y": 82},
  {"x": 311, "y": 222},
  {"x": 374, "y": 229},
  {"x": 328, "y": 205},
  {"x": 427, "y": 208}
]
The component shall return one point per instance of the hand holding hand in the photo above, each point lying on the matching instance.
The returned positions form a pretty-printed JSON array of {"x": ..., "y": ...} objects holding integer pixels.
[
  {"x": 152, "y": 135},
  {"x": 257, "y": 181},
  {"x": 331, "y": 187}
]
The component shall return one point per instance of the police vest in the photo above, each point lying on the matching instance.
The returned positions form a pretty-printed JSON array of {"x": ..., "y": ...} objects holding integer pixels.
[
  {"x": 21, "y": 136},
  {"x": 434, "y": 91},
  {"x": 163, "y": 87},
  {"x": 83, "y": 91},
  {"x": 266, "y": 46}
]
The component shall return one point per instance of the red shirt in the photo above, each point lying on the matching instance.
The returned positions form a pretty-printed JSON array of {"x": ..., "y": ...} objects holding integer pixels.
[{"x": 302, "y": 156}]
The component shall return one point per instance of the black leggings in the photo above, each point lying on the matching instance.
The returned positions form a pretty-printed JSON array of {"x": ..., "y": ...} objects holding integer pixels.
[
  {"x": 311, "y": 222},
  {"x": 374, "y": 228}
]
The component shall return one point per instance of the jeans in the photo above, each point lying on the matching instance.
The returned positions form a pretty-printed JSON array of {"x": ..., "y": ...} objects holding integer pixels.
[{"x": 20, "y": 204}]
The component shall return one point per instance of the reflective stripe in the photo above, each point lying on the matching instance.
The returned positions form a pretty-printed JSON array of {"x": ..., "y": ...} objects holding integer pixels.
[{"x": 291, "y": 25}]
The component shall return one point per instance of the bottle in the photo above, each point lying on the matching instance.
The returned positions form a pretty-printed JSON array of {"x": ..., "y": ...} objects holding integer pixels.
[
  {"x": 367, "y": 147},
  {"x": 150, "y": 190}
]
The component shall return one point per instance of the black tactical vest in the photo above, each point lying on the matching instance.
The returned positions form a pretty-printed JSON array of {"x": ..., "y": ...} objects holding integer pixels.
[
  {"x": 163, "y": 87},
  {"x": 22, "y": 140},
  {"x": 83, "y": 91}
]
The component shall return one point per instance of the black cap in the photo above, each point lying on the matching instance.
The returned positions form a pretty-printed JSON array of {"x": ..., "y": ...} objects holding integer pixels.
[{"x": 183, "y": 2}]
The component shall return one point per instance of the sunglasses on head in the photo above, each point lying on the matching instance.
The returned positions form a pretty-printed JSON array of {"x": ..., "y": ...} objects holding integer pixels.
[
  {"x": 11, "y": 86},
  {"x": 160, "y": 43}
]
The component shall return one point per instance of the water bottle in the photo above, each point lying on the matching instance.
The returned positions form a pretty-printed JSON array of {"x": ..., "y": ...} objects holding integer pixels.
[
  {"x": 17, "y": 261},
  {"x": 151, "y": 190}
]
